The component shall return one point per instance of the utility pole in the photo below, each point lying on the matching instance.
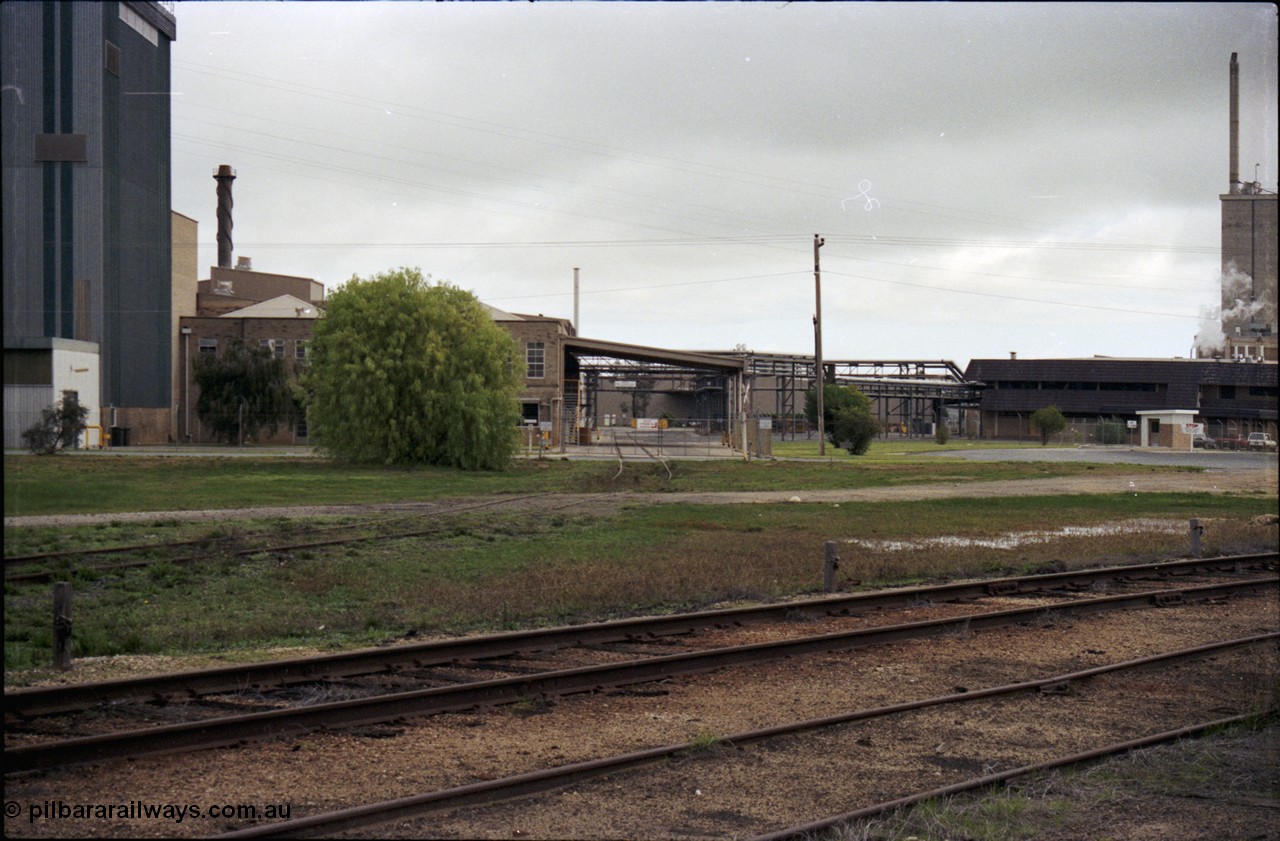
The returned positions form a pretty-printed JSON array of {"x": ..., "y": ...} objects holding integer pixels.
[
  {"x": 576, "y": 331},
  {"x": 817, "y": 345}
]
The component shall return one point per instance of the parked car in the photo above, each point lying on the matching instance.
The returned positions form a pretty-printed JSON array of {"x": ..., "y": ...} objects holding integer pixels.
[
  {"x": 1199, "y": 439},
  {"x": 1261, "y": 441}
]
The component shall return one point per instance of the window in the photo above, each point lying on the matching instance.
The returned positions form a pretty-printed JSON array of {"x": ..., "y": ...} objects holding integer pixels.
[
  {"x": 300, "y": 350},
  {"x": 276, "y": 346},
  {"x": 1227, "y": 392},
  {"x": 535, "y": 358},
  {"x": 208, "y": 345}
]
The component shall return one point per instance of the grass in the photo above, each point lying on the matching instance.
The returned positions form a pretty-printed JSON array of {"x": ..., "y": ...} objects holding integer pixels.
[
  {"x": 1111, "y": 799},
  {"x": 893, "y": 447},
  {"x": 486, "y": 572},
  {"x": 78, "y": 483}
]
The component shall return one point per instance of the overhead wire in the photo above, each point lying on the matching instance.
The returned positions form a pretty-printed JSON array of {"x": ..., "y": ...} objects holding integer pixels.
[{"x": 754, "y": 179}]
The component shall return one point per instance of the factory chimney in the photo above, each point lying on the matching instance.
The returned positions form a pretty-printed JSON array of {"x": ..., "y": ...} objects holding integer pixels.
[
  {"x": 1233, "y": 177},
  {"x": 224, "y": 176}
]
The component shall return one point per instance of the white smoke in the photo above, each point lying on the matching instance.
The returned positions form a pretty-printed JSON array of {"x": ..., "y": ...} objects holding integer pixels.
[{"x": 1235, "y": 315}]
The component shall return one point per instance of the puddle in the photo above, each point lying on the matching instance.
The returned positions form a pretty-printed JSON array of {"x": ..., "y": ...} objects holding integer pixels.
[{"x": 1013, "y": 540}]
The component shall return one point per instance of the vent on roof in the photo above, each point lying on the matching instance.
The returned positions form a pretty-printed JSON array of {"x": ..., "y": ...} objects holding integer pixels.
[{"x": 244, "y": 264}]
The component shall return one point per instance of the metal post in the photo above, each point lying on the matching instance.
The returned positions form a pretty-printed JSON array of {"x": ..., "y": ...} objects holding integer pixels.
[
  {"x": 1196, "y": 531},
  {"x": 62, "y": 624},
  {"x": 186, "y": 386},
  {"x": 830, "y": 563},
  {"x": 819, "y": 379}
]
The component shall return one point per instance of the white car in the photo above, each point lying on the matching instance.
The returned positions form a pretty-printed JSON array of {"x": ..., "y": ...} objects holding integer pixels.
[{"x": 1261, "y": 441}]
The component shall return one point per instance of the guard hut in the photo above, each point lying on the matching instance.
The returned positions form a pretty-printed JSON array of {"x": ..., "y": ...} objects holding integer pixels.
[{"x": 1166, "y": 428}]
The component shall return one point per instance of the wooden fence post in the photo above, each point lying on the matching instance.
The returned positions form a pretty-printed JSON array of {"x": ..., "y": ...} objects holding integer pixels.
[
  {"x": 62, "y": 624},
  {"x": 830, "y": 563},
  {"x": 1196, "y": 531}
]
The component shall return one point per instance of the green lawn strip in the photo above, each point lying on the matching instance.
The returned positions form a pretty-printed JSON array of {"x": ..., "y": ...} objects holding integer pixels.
[
  {"x": 894, "y": 447},
  {"x": 487, "y": 573},
  {"x": 81, "y": 484}
]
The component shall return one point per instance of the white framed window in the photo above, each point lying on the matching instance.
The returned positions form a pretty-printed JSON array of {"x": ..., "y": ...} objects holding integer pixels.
[
  {"x": 208, "y": 346},
  {"x": 276, "y": 346},
  {"x": 300, "y": 350},
  {"x": 535, "y": 358}
]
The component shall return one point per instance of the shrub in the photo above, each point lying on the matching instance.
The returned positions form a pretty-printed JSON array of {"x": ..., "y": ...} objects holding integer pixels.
[{"x": 59, "y": 426}]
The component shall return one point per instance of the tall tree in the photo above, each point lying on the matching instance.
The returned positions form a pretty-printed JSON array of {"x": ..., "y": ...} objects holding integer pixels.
[
  {"x": 407, "y": 371},
  {"x": 847, "y": 417},
  {"x": 243, "y": 391}
]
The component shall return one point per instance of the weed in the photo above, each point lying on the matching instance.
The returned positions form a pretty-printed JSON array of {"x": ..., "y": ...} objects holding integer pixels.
[{"x": 703, "y": 740}]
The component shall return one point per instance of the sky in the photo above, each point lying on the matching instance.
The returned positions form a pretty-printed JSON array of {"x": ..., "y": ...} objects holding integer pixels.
[{"x": 1038, "y": 178}]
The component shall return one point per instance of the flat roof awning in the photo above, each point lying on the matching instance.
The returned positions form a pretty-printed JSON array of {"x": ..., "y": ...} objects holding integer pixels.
[{"x": 639, "y": 353}]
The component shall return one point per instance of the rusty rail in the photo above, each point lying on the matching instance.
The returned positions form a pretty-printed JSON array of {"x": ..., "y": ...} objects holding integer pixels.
[
  {"x": 290, "y": 723},
  {"x": 29, "y": 703},
  {"x": 535, "y": 782},
  {"x": 37, "y": 577}
]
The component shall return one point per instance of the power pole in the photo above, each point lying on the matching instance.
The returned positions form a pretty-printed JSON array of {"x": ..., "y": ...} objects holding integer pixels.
[{"x": 817, "y": 345}]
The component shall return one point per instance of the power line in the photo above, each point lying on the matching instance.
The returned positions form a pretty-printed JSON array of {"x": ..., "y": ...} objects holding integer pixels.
[{"x": 1126, "y": 310}]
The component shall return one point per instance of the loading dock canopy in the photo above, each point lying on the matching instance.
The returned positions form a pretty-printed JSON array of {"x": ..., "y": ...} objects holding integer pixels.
[{"x": 592, "y": 348}]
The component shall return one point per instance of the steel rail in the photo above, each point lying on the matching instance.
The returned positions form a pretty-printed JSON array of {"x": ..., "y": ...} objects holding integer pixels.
[
  {"x": 43, "y": 576},
  {"x": 29, "y": 703},
  {"x": 285, "y": 723},
  {"x": 549, "y": 779},
  {"x": 992, "y": 779}
]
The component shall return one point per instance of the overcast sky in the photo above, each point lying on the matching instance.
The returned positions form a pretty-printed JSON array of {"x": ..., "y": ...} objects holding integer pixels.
[{"x": 1040, "y": 178}]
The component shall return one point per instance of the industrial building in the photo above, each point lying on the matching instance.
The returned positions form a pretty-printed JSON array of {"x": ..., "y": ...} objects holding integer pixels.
[
  {"x": 87, "y": 246},
  {"x": 102, "y": 296}
]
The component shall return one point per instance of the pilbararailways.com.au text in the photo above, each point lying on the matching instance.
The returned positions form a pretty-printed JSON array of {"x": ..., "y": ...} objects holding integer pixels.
[{"x": 133, "y": 810}]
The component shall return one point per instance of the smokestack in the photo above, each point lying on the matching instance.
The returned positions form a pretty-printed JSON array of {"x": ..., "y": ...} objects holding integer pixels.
[
  {"x": 224, "y": 176},
  {"x": 1233, "y": 177}
]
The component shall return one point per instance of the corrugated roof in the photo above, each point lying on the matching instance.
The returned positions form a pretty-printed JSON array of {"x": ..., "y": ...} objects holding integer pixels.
[{"x": 284, "y": 306}]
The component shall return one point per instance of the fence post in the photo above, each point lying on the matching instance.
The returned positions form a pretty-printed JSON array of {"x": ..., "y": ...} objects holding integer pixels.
[
  {"x": 830, "y": 563},
  {"x": 1196, "y": 531},
  {"x": 62, "y": 624}
]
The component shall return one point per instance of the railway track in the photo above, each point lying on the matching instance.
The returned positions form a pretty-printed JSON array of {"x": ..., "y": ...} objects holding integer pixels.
[
  {"x": 539, "y": 683},
  {"x": 506, "y": 789},
  {"x": 17, "y": 566},
  {"x": 174, "y": 687}
]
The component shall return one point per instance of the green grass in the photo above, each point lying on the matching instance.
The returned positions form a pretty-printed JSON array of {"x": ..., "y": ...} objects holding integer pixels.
[
  {"x": 891, "y": 448},
  {"x": 487, "y": 572},
  {"x": 86, "y": 484}
]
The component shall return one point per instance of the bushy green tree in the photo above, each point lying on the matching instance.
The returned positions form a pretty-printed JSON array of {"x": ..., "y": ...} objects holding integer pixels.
[
  {"x": 846, "y": 416},
  {"x": 1048, "y": 421},
  {"x": 406, "y": 371},
  {"x": 59, "y": 426},
  {"x": 243, "y": 390}
]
